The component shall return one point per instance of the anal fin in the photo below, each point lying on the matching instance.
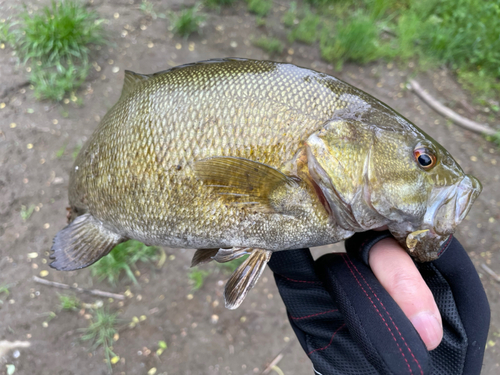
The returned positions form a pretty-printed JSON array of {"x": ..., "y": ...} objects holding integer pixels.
[
  {"x": 82, "y": 243},
  {"x": 245, "y": 277}
]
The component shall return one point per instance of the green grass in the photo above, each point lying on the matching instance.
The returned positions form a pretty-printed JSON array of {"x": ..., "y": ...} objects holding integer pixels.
[
  {"x": 26, "y": 212},
  {"x": 55, "y": 43},
  {"x": 60, "y": 33},
  {"x": 101, "y": 331},
  {"x": 272, "y": 46},
  {"x": 290, "y": 17},
  {"x": 76, "y": 151},
  {"x": 123, "y": 259},
  {"x": 186, "y": 22},
  {"x": 147, "y": 7},
  {"x": 197, "y": 277},
  {"x": 260, "y": 7},
  {"x": 68, "y": 302},
  {"x": 306, "y": 31},
  {"x": 354, "y": 39}
]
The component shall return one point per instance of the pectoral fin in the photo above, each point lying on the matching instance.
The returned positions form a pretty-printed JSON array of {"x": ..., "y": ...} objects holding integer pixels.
[
  {"x": 82, "y": 243},
  {"x": 245, "y": 277},
  {"x": 241, "y": 181},
  {"x": 202, "y": 256}
]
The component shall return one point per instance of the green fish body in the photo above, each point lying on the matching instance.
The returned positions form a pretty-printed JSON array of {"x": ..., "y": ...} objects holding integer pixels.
[{"x": 235, "y": 157}]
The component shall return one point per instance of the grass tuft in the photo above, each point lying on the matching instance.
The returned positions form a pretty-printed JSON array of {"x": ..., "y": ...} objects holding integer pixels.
[
  {"x": 218, "y": 3},
  {"x": 260, "y": 7},
  {"x": 289, "y": 19},
  {"x": 55, "y": 43},
  {"x": 272, "y": 46},
  {"x": 197, "y": 277},
  {"x": 124, "y": 258},
  {"x": 306, "y": 31},
  {"x": 352, "y": 40},
  {"x": 186, "y": 22},
  {"x": 101, "y": 332},
  {"x": 68, "y": 302}
]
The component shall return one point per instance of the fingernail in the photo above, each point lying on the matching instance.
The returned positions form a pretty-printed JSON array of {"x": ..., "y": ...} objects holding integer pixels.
[{"x": 429, "y": 329}]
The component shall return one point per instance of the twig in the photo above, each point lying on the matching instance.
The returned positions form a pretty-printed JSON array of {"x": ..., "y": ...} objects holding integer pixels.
[
  {"x": 448, "y": 113},
  {"x": 95, "y": 292},
  {"x": 490, "y": 272},
  {"x": 275, "y": 361}
]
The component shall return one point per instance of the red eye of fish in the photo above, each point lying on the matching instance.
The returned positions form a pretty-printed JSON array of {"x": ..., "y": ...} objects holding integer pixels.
[{"x": 425, "y": 158}]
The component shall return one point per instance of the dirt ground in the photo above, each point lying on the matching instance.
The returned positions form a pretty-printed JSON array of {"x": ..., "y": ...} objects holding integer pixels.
[{"x": 202, "y": 336}]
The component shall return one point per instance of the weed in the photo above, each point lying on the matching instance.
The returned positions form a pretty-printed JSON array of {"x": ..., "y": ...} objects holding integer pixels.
[
  {"x": 5, "y": 289},
  {"x": 147, "y": 8},
  {"x": 289, "y": 19},
  {"x": 306, "y": 30},
  {"x": 353, "y": 40},
  {"x": 6, "y": 35},
  {"x": 60, "y": 152},
  {"x": 56, "y": 43},
  {"x": 54, "y": 84},
  {"x": 186, "y": 22},
  {"x": 123, "y": 258},
  {"x": 68, "y": 302},
  {"x": 26, "y": 212},
  {"x": 197, "y": 277},
  {"x": 260, "y": 21},
  {"x": 60, "y": 33},
  {"x": 271, "y": 45},
  {"x": 101, "y": 332},
  {"x": 260, "y": 7}
]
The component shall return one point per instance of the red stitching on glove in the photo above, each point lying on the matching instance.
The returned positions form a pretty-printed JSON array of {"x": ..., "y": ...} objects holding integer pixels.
[
  {"x": 394, "y": 323},
  {"x": 301, "y": 281},
  {"x": 377, "y": 310},
  {"x": 310, "y": 316},
  {"x": 330, "y": 343}
]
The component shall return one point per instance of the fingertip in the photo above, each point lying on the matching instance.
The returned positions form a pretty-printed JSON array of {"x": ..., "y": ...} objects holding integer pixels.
[
  {"x": 398, "y": 274},
  {"x": 429, "y": 327}
]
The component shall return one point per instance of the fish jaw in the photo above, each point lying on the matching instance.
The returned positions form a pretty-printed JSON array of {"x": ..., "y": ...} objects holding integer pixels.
[{"x": 447, "y": 207}]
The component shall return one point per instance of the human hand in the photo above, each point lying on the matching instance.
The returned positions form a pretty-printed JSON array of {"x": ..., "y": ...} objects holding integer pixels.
[{"x": 350, "y": 320}]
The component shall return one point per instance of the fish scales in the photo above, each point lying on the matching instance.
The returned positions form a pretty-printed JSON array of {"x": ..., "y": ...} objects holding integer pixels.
[
  {"x": 241, "y": 110},
  {"x": 236, "y": 156}
]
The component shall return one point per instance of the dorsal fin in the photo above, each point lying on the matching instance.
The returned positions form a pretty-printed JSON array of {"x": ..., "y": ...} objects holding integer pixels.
[{"x": 131, "y": 80}]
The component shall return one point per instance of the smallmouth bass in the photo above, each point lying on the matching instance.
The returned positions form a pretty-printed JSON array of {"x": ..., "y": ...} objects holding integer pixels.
[{"x": 236, "y": 156}]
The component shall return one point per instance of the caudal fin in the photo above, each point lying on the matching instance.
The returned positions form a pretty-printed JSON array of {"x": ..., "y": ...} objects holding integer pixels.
[{"x": 82, "y": 243}]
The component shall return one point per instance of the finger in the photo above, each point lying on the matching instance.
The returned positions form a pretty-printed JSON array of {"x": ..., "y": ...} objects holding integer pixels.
[{"x": 397, "y": 273}]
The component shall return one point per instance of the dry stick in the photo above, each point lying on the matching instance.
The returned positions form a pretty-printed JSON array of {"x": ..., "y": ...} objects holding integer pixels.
[
  {"x": 275, "y": 361},
  {"x": 448, "y": 113},
  {"x": 95, "y": 292},
  {"x": 490, "y": 272}
]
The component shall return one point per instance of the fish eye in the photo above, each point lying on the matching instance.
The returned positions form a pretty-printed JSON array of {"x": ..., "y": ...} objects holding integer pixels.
[{"x": 425, "y": 158}]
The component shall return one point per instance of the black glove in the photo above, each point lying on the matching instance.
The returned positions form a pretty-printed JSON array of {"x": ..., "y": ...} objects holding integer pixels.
[{"x": 348, "y": 324}]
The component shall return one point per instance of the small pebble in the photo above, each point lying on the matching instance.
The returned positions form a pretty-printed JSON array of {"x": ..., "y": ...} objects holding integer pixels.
[
  {"x": 16, "y": 353},
  {"x": 13, "y": 125},
  {"x": 44, "y": 273},
  {"x": 189, "y": 296},
  {"x": 116, "y": 15}
]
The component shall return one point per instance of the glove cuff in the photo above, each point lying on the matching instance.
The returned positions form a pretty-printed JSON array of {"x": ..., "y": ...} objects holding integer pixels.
[{"x": 360, "y": 244}]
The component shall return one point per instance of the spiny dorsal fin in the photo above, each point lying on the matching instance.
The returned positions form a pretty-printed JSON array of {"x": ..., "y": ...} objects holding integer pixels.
[
  {"x": 82, "y": 243},
  {"x": 130, "y": 81},
  {"x": 241, "y": 181},
  {"x": 245, "y": 277}
]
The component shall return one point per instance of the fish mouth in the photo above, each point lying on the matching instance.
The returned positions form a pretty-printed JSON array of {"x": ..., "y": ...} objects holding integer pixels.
[{"x": 450, "y": 205}]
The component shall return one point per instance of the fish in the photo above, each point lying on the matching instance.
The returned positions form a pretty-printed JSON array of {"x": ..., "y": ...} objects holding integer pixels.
[{"x": 236, "y": 157}]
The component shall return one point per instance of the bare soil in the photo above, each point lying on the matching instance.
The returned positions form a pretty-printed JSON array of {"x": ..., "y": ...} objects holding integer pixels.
[{"x": 202, "y": 336}]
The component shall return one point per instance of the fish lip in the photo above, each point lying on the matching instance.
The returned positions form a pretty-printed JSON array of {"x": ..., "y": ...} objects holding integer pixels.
[{"x": 452, "y": 203}]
